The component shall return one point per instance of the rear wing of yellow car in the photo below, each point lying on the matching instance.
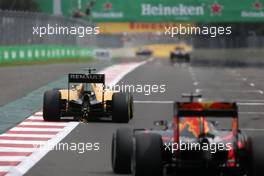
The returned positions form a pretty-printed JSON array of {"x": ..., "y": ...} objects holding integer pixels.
[{"x": 86, "y": 78}]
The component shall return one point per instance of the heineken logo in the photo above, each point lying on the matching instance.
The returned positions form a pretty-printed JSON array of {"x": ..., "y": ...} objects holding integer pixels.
[
  {"x": 216, "y": 9},
  {"x": 107, "y": 12},
  {"x": 107, "y": 6},
  {"x": 179, "y": 10},
  {"x": 256, "y": 13},
  {"x": 257, "y": 5}
]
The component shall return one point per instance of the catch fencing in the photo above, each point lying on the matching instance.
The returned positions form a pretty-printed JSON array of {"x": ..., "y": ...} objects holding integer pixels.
[
  {"x": 16, "y": 28},
  {"x": 18, "y": 43}
]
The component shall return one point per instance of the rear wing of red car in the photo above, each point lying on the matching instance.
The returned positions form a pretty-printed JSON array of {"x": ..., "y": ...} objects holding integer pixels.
[{"x": 202, "y": 109}]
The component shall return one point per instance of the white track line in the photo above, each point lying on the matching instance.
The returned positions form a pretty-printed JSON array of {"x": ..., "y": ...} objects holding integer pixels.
[
  {"x": 44, "y": 123},
  {"x": 18, "y": 149},
  {"x": 36, "y": 129},
  {"x": 252, "y": 129},
  {"x": 169, "y": 102},
  {"x": 12, "y": 158},
  {"x": 35, "y": 117},
  {"x": 40, "y": 113},
  {"x": 241, "y": 101},
  {"x": 252, "y": 113},
  {"x": 5, "y": 168},
  {"x": 231, "y": 90},
  {"x": 28, "y": 135},
  {"x": 250, "y": 104},
  {"x": 21, "y": 142},
  {"x": 153, "y": 102},
  {"x": 250, "y": 100}
]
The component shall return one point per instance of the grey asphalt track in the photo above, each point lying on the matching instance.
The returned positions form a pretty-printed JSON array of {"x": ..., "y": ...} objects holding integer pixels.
[
  {"x": 18, "y": 81},
  {"x": 244, "y": 85}
]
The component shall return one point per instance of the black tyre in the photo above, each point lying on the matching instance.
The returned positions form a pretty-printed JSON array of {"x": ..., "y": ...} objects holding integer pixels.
[
  {"x": 147, "y": 155},
  {"x": 122, "y": 151},
  {"x": 187, "y": 58},
  {"x": 51, "y": 105},
  {"x": 171, "y": 57},
  {"x": 256, "y": 156},
  {"x": 131, "y": 106},
  {"x": 121, "y": 108}
]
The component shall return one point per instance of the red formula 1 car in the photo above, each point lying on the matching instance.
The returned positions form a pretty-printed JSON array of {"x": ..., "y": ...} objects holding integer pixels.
[{"x": 190, "y": 144}]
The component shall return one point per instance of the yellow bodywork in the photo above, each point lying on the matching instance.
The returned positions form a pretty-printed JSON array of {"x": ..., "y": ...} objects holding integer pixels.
[{"x": 75, "y": 93}]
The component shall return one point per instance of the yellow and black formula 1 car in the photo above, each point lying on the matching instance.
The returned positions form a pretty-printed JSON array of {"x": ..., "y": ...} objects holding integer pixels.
[
  {"x": 180, "y": 54},
  {"x": 87, "y": 99}
]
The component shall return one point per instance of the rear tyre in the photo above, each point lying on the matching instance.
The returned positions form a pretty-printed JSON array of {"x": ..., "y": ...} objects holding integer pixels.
[
  {"x": 121, "y": 108},
  {"x": 131, "y": 106},
  {"x": 122, "y": 150},
  {"x": 171, "y": 57},
  {"x": 188, "y": 58},
  {"x": 147, "y": 155},
  {"x": 51, "y": 105},
  {"x": 256, "y": 156}
]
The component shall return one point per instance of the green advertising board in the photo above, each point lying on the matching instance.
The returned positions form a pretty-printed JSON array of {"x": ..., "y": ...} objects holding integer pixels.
[
  {"x": 166, "y": 10},
  {"x": 43, "y": 53},
  {"x": 46, "y": 6},
  {"x": 178, "y": 10}
]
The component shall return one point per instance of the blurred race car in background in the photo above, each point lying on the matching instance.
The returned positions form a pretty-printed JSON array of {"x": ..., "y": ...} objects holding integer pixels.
[
  {"x": 143, "y": 52},
  {"x": 209, "y": 150},
  {"x": 87, "y": 99},
  {"x": 180, "y": 54},
  {"x": 102, "y": 54}
]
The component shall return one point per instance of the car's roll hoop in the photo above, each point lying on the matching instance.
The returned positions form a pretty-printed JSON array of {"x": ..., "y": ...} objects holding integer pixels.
[
  {"x": 191, "y": 96},
  {"x": 89, "y": 70}
]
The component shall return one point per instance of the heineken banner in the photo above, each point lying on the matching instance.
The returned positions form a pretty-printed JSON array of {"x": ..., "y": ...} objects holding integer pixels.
[{"x": 178, "y": 10}]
